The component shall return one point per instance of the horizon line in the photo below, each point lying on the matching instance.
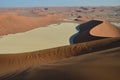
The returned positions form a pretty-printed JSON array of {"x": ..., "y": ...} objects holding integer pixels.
[{"x": 58, "y": 6}]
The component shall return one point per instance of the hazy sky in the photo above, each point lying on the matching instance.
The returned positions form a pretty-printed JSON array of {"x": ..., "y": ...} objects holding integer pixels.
[{"x": 37, "y": 3}]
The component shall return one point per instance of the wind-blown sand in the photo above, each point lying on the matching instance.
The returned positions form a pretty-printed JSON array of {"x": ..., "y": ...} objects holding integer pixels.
[
  {"x": 96, "y": 58},
  {"x": 40, "y": 38}
]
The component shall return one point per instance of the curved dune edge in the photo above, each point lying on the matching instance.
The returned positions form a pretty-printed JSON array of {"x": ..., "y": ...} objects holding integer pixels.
[
  {"x": 105, "y": 29},
  {"x": 96, "y": 30},
  {"x": 24, "y": 60},
  {"x": 84, "y": 32}
]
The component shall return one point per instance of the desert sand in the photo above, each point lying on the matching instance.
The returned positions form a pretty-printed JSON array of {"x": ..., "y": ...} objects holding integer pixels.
[
  {"x": 11, "y": 23},
  {"x": 24, "y": 60},
  {"x": 105, "y": 30},
  {"x": 102, "y": 65},
  {"x": 38, "y": 65},
  {"x": 96, "y": 58},
  {"x": 116, "y": 24},
  {"x": 37, "y": 39}
]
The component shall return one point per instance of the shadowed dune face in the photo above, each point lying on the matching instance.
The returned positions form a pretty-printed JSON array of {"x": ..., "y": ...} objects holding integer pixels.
[
  {"x": 84, "y": 29},
  {"x": 95, "y": 30},
  {"x": 12, "y": 23},
  {"x": 103, "y": 65}
]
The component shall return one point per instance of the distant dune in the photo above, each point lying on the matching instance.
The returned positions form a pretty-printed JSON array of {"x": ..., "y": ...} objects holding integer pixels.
[
  {"x": 12, "y": 23},
  {"x": 92, "y": 58}
]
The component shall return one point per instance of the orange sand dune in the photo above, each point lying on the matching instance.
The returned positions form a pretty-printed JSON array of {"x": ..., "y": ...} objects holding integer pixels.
[
  {"x": 105, "y": 30},
  {"x": 102, "y": 65},
  {"x": 95, "y": 30},
  {"x": 21, "y": 61},
  {"x": 44, "y": 64},
  {"x": 84, "y": 30},
  {"x": 12, "y": 23}
]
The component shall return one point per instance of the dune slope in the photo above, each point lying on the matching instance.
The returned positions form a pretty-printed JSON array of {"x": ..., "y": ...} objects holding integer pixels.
[
  {"x": 21, "y": 61},
  {"x": 84, "y": 29},
  {"x": 95, "y": 30},
  {"x": 56, "y": 64},
  {"x": 105, "y": 30},
  {"x": 11, "y": 23},
  {"x": 101, "y": 65}
]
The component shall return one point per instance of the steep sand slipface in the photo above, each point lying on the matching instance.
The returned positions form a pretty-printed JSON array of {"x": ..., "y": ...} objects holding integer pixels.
[
  {"x": 105, "y": 30},
  {"x": 41, "y": 38}
]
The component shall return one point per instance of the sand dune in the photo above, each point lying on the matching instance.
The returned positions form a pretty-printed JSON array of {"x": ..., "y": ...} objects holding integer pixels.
[
  {"x": 95, "y": 30},
  {"x": 105, "y": 30},
  {"x": 12, "y": 23},
  {"x": 56, "y": 64},
  {"x": 102, "y": 65},
  {"x": 19, "y": 61},
  {"x": 84, "y": 31}
]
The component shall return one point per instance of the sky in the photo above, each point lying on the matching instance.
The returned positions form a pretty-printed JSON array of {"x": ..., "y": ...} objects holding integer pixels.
[{"x": 40, "y": 3}]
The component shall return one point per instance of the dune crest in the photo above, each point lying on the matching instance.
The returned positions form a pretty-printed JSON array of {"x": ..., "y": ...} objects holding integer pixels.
[
  {"x": 21, "y": 61},
  {"x": 105, "y": 29}
]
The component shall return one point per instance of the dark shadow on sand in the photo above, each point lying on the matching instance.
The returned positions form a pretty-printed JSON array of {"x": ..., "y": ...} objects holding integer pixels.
[
  {"x": 83, "y": 35},
  {"x": 75, "y": 35}
]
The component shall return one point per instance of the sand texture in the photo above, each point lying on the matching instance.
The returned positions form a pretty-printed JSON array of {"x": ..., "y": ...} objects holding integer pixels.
[
  {"x": 11, "y": 23},
  {"x": 105, "y": 30},
  {"x": 91, "y": 56},
  {"x": 37, "y": 39}
]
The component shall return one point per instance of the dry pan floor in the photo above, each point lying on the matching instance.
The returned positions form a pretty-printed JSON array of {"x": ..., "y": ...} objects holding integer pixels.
[{"x": 37, "y": 39}]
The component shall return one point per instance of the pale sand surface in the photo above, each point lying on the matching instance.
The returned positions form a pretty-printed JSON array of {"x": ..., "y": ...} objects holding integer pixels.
[
  {"x": 37, "y": 39},
  {"x": 116, "y": 24}
]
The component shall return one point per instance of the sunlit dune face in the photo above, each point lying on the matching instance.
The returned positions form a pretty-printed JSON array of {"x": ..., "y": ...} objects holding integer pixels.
[{"x": 105, "y": 29}]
